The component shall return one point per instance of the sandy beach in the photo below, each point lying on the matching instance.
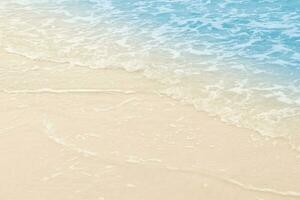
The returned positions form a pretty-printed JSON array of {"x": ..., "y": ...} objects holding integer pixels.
[{"x": 69, "y": 132}]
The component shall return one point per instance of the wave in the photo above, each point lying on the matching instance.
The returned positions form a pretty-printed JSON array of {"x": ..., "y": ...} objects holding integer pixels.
[{"x": 218, "y": 62}]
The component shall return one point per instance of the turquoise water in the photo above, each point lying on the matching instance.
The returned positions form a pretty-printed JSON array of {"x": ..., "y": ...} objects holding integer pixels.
[{"x": 235, "y": 59}]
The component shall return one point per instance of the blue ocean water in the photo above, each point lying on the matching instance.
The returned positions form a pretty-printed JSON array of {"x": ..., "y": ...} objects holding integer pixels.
[{"x": 236, "y": 59}]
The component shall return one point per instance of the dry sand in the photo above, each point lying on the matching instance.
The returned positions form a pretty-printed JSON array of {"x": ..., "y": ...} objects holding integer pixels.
[{"x": 83, "y": 134}]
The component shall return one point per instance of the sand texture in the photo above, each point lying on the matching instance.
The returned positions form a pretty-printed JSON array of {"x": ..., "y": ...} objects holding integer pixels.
[{"x": 74, "y": 133}]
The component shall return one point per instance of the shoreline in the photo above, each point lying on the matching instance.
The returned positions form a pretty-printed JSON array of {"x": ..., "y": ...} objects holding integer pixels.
[
  {"x": 294, "y": 146},
  {"x": 75, "y": 133}
]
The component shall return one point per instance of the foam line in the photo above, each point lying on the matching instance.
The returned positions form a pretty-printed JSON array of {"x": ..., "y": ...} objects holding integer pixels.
[{"x": 68, "y": 91}]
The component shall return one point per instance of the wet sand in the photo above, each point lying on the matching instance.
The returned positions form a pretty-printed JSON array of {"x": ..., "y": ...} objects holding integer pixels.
[{"x": 69, "y": 132}]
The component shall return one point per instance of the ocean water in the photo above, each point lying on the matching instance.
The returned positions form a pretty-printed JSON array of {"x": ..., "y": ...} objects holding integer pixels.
[{"x": 238, "y": 60}]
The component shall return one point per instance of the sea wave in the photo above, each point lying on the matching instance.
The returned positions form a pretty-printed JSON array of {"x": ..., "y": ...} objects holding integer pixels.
[{"x": 237, "y": 60}]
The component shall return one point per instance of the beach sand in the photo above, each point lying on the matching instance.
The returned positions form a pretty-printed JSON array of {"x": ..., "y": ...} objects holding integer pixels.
[{"x": 69, "y": 132}]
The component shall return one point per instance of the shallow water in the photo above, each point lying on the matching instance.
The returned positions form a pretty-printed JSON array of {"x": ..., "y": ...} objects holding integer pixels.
[{"x": 238, "y": 60}]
